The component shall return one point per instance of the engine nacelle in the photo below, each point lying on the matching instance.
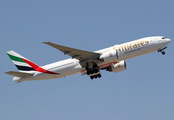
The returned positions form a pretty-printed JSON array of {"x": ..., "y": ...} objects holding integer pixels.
[
  {"x": 117, "y": 67},
  {"x": 109, "y": 56}
]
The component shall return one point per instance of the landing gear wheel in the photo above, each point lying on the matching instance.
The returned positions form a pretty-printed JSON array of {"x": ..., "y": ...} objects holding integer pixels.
[
  {"x": 95, "y": 76},
  {"x": 92, "y": 77},
  {"x": 99, "y": 75},
  {"x": 163, "y": 53}
]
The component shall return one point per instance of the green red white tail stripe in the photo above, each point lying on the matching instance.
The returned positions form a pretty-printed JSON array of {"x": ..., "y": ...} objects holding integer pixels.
[{"x": 24, "y": 65}]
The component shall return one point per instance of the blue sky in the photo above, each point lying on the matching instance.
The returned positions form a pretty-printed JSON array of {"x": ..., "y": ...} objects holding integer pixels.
[{"x": 142, "y": 92}]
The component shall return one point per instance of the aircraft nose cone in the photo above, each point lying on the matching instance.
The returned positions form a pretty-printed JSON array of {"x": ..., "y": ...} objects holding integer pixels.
[{"x": 169, "y": 40}]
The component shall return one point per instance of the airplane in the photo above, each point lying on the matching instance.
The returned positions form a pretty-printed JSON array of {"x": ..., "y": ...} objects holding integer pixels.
[{"x": 111, "y": 59}]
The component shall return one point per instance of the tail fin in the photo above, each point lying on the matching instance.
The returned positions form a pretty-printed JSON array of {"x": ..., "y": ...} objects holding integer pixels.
[
  {"x": 20, "y": 62},
  {"x": 24, "y": 65}
]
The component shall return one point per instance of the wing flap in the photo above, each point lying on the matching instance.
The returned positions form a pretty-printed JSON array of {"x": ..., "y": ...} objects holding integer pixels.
[{"x": 18, "y": 74}]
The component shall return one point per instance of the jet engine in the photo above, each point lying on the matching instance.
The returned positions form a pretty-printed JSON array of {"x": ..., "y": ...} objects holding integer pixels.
[
  {"x": 120, "y": 66},
  {"x": 109, "y": 56}
]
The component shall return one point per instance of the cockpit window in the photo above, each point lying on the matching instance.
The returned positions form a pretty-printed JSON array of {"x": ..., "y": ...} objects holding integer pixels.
[{"x": 163, "y": 37}]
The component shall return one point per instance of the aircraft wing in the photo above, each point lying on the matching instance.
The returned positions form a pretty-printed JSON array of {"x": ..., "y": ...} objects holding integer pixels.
[{"x": 81, "y": 55}]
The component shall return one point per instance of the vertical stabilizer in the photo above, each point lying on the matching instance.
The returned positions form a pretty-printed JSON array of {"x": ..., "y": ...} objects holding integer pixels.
[
  {"x": 20, "y": 62},
  {"x": 25, "y": 65}
]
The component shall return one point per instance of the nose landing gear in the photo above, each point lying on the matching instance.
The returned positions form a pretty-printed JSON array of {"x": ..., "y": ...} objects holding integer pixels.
[
  {"x": 161, "y": 50},
  {"x": 163, "y": 53}
]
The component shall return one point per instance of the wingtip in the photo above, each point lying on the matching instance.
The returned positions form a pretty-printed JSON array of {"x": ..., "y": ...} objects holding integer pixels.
[
  {"x": 6, "y": 72},
  {"x": 45, "y": 42}
]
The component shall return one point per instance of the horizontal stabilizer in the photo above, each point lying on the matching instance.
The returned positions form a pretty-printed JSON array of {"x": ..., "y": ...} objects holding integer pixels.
[{"x": 18, "y": 74}]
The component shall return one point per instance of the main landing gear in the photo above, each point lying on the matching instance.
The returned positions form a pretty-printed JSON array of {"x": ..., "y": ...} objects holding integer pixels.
[
  {"x": 95, "y": 76},
  {"x": 93, "y": 71},
  {"x": 161, "y": 50}
]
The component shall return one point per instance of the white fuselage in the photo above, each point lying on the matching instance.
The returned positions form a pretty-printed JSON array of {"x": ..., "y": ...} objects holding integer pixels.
[{"x": 125, "y": 51}]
